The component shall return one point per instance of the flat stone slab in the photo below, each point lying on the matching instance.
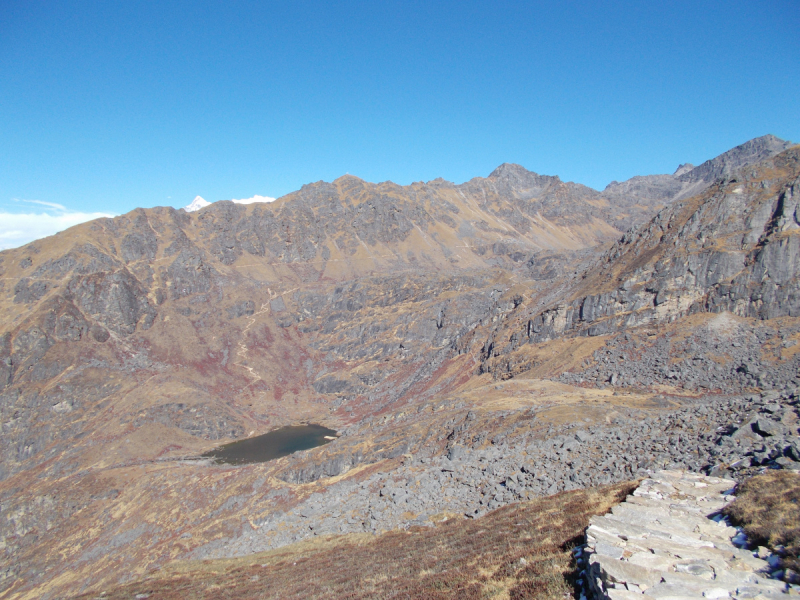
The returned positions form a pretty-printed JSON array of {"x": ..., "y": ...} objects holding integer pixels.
[{"x": 663, "y": 543}]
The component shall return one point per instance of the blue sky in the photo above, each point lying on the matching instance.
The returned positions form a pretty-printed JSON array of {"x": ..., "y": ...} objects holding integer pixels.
[{"x": 106, "y": 106}]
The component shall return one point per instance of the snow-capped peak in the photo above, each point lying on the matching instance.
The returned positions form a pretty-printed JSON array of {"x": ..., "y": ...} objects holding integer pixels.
[
  {"x": 200, "y": 202},
  {"x": 196, "y": 204}
]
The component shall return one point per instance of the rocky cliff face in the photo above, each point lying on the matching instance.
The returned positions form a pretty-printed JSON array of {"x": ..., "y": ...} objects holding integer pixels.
[
  {"x": 732, "y": 248},
  {"x": 129, "y": 346}
]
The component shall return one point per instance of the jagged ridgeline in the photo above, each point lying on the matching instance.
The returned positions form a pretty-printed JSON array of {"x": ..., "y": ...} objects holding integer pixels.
[{"x": 129, "y": 347}]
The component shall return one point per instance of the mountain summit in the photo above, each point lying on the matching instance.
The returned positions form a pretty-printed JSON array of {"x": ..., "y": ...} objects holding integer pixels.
[{"x": 750, "y": 152}]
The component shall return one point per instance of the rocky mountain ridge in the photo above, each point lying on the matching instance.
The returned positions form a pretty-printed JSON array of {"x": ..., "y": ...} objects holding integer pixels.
[
  {"x": 733, "y": 248},
  {"x": 655, "y": 191},
  {"x": 132, "y": 345}
]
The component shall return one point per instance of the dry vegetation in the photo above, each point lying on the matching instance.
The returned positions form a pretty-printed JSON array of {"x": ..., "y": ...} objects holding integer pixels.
[
  {"x": 768, "y": 507},
  {"x": 519, "y": 551}
]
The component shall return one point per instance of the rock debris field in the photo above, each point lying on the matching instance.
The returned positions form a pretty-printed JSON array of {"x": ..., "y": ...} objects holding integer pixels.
[
  {"x": 692, "y": 361},
  {"x": 722, "y": 436},
  {"x": 669, "y": 540}
]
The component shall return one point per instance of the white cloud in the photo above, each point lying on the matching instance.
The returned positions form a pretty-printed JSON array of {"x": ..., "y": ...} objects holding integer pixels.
[
  {"x": 19, "y": 228},
  {"x": 50, "y": 205},
  {"x": 254, "y": 199}
]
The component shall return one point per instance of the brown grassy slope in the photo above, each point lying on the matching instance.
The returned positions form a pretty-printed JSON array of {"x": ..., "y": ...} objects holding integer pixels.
[
  {"x": 768, "y": 507},
  {"x": 519, "y": 551}
]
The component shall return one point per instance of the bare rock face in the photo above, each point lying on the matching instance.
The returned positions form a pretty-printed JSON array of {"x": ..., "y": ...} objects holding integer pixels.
[
  {"x": 734, "y": 248},
  {"x": 188, "y": 274},
  {"x": 117, "y": 301},
  {"x": 142, "y": 242},
  {"x": 28, "y": 292}
]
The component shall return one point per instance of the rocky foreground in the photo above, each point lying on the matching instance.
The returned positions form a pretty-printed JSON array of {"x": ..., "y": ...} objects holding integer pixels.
[{"x": 734, "y": 435}]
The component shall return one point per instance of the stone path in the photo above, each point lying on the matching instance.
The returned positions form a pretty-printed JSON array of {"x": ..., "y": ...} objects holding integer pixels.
[{"x": 668, "y": 540}]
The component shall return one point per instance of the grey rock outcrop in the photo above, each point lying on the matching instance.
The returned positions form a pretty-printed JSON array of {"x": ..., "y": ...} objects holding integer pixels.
[
  {"x": 687, "y": 359},
  {"x": 116, "y": 300}
]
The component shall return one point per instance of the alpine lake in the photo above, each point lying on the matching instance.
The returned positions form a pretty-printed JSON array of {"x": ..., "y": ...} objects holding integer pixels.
[{"x": 272, "y": 445}]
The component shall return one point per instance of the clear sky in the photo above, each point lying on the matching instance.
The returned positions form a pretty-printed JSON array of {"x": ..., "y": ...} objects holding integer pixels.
[{"x": 106, "y": 106}]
